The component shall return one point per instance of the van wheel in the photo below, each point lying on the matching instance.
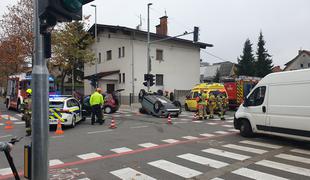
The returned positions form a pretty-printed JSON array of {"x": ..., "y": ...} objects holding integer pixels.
[
  {"x": 246, "y": 129},
  {"x": 73, "y": 123}
]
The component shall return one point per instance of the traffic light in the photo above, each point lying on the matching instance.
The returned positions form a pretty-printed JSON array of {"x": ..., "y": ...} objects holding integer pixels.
[
  {"x": 53, "y": 11},
  {"x": 149, "y": 78},
  {"x": 196, "y": 34},
  {"x": 152, "y": 79}
]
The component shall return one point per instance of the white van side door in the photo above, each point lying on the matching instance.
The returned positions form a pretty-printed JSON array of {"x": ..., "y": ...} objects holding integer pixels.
[{"x": 256, "y": 107}]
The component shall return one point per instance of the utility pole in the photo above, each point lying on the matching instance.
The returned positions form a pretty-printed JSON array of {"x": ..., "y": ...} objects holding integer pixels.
[
  {"x": 40, "y": 88},
  {"x": 97, "y": 59},
  {"x": 149, "y": 68}
]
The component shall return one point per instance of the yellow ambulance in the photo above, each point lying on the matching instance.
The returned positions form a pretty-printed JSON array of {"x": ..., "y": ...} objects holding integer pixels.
[{"x": 215, "y": 88}]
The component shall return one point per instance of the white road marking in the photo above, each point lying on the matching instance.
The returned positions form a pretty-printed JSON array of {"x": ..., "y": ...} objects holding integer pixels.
[
  {"x": 244, "y": 148},
  {"x": 206, "y": 135},
  {"x": 285, "y": 167},
  {"x": 198, "y": 121},
  {"x": 54, "y": 162},
  {"x": 221, "y": 132},
  {"x": 1, "y": 124},
  {"x": 293, "y": 158},
  {"x": 116, "y": 115},
  {"x": 121, "y": 150},
  {"x": 267, "y": 145},
  {"x": 230, "y": 121},
  {"x": 212, "y": 123},
  {"x": 233, "y": 130},
  {"x": 170, "y": 141},
  {"x": 203, "y": 160},
  {"x": 84, "y": 179},
  {"x": 21, "y": 122},
  {"x": 95, "y": 132},
  {"x": 19, "y": 115},
  {"x": 180, "y": 122},
  {"x": 185, "y": 119},
  {"x": 128, "y": 115},
  {"x": 249, "y": 173},
  {"x": 130, "y": 174},
  {"x": 5, "y": 171},
  {"x": 227, "y": 154},
  {"x": 175, "y": 168},
  {"x": 137, "y": 127},
  {"x": 147, "y": 145},
  {"x": 88, "y": 156},
  {"x": 9, "y": 135},
  {"x": 301, "y": 151},
  {"x": 189, "y": 137},
  {"x": 227, "y": 125},
  {"x": 217, "y": 178}
]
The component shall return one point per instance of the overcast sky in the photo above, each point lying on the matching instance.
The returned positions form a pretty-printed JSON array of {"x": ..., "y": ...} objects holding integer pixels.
[{"x": 224, "y": 23}]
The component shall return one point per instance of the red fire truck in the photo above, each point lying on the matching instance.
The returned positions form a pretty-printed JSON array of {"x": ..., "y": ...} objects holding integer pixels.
[
  {"x": 237, "y": 89},
  {"x": 16, "y": 90}
]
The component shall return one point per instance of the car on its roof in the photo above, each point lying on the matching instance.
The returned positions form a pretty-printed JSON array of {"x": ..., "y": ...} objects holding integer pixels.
[{"x": 67, "y": 109}]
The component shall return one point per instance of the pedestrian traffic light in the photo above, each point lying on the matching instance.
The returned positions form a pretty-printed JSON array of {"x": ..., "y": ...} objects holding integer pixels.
[
  {"x": 53, "y": 11},
  {"x": 196, "y": 34}
]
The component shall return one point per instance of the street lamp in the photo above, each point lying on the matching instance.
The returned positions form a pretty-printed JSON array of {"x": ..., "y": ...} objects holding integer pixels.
[
  {"x": 148, "y": 45},
  {"x": 96, "y": 64}
]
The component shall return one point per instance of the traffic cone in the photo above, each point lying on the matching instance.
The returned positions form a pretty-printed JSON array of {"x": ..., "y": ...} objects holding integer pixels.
[
  {"x": 8, "y": 123},
  {"x": 59, "y": 130},
  {"x": 112, "y": 126},
  {"x": 169, "y": 120}
]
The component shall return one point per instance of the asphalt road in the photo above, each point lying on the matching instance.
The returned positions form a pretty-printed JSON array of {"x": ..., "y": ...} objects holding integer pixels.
[{"x": 146, "y": 147}]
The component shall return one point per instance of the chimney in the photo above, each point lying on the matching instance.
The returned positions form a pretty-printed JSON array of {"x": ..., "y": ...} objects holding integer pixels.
[{"x": 162, "y": 28}]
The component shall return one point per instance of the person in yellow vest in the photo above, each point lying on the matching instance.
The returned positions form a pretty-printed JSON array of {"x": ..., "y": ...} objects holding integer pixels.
[
  {"x": 96, "y": 101},
  {"x": 211, "y": 105},
  {"x": 202, "y": 105},
  {"x": 220, "y": 103},
  {"x": 26, "y": 109}
]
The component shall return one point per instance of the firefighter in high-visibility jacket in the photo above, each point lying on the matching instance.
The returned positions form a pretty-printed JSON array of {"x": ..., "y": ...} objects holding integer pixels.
[
  {"x": 211, "y": 105},
  {"x": 202, "y": 106},
  {"x": 220, "y": 104},
  {"x": 27, "y": 112}
]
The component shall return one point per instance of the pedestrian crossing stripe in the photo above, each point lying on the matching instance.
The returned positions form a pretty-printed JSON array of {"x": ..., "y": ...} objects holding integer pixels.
[
  {"x": 226, "y": 154},
  {"x": 244, "y": 148},
  {"x": 129, "y": 173},
  {"x": 89, "y": 156},
  {"x": 272, "y": 146},
  {"x": 294, "y": 158},
  {"x": 203, "y": 160},
  {"x": 301, "y": 151},
  {"x": 249, "y": 173}
]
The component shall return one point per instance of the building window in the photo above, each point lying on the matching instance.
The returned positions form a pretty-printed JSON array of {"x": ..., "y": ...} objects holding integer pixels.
[
  {"x": 123, "y": 51},
  {"x": 119, "y": 53},
  {"x": 99, "y": 58},
  {"x": 109, "y": 55},
  {"x": 123, "y": 77},
  {"x": 159, "y": 79},
  {"x": 159, "y": 54},
  {"x": 301, "y": 65},
  {"x": 119, "y": 78}
]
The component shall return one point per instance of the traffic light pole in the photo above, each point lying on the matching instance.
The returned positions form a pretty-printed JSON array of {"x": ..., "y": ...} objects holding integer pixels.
[
  {"x": 148, "y": 45},
  {"x": 40, "y": 88}
]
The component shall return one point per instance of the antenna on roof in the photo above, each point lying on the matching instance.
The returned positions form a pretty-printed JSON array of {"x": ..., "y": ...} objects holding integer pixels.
[{"x": 140, "y": 24}]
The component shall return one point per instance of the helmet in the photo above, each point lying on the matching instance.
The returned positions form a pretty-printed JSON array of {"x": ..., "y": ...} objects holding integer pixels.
[{"x": 29, "y": 91}]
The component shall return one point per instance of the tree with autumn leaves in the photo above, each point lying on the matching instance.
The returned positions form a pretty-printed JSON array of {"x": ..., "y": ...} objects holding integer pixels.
[{"x": 70, "y": 44}]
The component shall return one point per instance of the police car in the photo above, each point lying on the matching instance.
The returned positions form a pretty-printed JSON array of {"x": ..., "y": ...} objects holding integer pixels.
[{"x": 67, "y": 109}]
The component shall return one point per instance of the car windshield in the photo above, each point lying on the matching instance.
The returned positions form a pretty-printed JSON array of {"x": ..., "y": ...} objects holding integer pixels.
[
  {"x": 56, "y": 104},
  {"x": 163, "y": 99}
]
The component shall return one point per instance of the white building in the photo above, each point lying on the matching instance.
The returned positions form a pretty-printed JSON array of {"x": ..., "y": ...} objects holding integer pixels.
[
  {"x": 122, "y": 60},
  {"x": 301, "y": 61}
]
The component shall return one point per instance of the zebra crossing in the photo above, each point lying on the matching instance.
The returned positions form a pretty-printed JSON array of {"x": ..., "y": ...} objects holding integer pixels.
[{"x": 16, "y": 119}]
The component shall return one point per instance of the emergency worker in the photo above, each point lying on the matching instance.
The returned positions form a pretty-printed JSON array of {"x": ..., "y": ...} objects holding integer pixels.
[
  {"x": 26, "y": 106},
  {"x": 167, "y": 94},
  {"x": 220, "y": 104},
  {"x": 211, "y": 105},
  {"x": 96, "y": 101},
  {"x": 171, "y": 96},
  {"x": 202, "y": 105}
]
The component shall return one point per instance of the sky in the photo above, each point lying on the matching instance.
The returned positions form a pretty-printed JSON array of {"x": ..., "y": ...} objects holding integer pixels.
[{"x": 224, "y": 23}]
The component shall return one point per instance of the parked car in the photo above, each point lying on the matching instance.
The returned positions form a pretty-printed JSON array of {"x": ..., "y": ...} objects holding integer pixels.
[
  {"x": 111, "y": 103},
  {"x": 67, "y": 108},
  {"x": 158, "y": 105},
  {"x": 278, "y": 105}
]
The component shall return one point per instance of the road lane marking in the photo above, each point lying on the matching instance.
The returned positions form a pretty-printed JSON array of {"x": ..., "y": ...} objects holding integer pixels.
[
  {"x": 147, "y": 145},
  {"x": 217, "y": 178},
  {"x": 1, "y": 124},
  {"x": 284, "y": 167},
  {"x": 95, "y": 132},
  {"x": 252, "y": 174},
  {"x": 5, "y": 171},
  {"x": 121, "y": 150},
  {"x": 137, "y": 127},
  {"x": 9, "y": 135},
  {"x": 128, "y": 174},
  {"x": 233, "y": 130},
  {"x": 244, "y": 148},
  {"x": 88, "y": 156},
  {"x": 203, "y": 160},
  {"x": 19, "y": 115},
  {"x": 221, "y": 132},
  {"x": 267, "y": 145},
  {"x": 183, "y": 122},
  {"x": 198, "y": 121},
  {"x": 185, "y": 119},
  {"x": 212, "y": 123},
  {"x": 227, "y": 154},
  {"x": 21, "y": 122},
  {"x": 170, "y": 141},
  {"x": 207, "y": 135},
  {"x": 227, "y": 125},
  {"x": 293, "y": 158},
  {"x": 301, "y": 151},
  {"x": 230, "y": 121},
  {"x": 54, "y": 162},
  {"x": 175, "y": 168},
  {"x": 189, "y": 137}
]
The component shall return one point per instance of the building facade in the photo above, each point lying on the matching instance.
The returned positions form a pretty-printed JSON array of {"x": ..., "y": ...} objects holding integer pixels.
[
  {"x": 301, "y": 61},
  {"x": 122, "y": 61}
]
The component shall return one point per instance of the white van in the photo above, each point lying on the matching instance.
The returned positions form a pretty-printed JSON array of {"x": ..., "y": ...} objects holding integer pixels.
[{"x": 279, "y": 105}]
